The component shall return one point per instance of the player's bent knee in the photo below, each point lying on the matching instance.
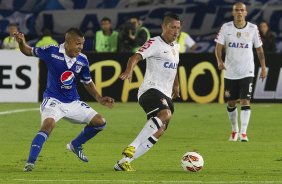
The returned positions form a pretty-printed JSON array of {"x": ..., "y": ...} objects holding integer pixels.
[
  {"x": 48, "y": 125},
  {"x": 165, "y": 115},
  {"x": 97, "y": 120},
  {"x": 232, "y": 103},
  {"x": 245, "y": 102}
]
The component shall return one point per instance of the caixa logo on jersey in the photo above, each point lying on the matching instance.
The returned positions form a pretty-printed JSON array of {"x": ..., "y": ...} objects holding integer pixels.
[
  {"x": 67, "y": 78},
  {"x": 238, "y": 45},
  {"x": 170, "y": 65}
]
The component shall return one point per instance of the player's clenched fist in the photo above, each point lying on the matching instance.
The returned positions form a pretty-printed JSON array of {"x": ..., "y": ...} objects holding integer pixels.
[
  {"x": 107, "y": 101},
  {"x": 221, "y": 66}
]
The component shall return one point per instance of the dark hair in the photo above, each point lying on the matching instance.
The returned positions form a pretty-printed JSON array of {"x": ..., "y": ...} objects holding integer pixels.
[
  {"x": 134, "y": 17},
  {"x": 264, "y": 21},
  {"x": 106, "y": 19},
  {"x": 46, "y": 32},
  {"x": 169, "y": 16},
  {"x": 75, "y": 31}
]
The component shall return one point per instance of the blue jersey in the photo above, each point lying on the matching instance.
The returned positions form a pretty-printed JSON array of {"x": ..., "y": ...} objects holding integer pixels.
[{"x": 61, "y": 81}]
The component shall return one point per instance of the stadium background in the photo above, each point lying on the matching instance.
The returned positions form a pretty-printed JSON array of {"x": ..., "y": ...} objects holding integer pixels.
[
  {"x": 199, "y": 127},
  {"x": 20, "y": 78}
]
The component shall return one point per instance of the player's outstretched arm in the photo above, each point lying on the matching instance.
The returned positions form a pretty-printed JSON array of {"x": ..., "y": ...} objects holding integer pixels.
[
  {"x": 91, "y": 89},
  {"x": 132, "y": 62},
  {"x": 261, "y": 57},
  {"x": 218, "y": 55},
  {"x": 25, "y": 49}
]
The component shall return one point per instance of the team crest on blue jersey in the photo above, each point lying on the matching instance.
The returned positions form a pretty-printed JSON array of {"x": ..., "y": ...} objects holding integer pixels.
[
  {"x": 67, "y": 78},
  {"x": 78, "y": 68}
]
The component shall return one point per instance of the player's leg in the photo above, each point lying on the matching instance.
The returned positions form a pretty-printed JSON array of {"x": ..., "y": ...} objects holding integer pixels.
[
  {"x": 164, "y": 115},
  {"x": 50, "y": 114},
  {"x": 245, "y": 96},
  {"x": 231, "y": 94},
  {"x": 159, "y": 109},
  {"x": 96, "y": 125},
  {"x": 146, "y": 144},
  {"x": 146, "y": 136},
  {"x": 150, "y": 127},
  {"x": 82, "y": 113}
]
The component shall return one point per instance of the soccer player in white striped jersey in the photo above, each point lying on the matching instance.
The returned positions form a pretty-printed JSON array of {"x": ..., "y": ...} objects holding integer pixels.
[
  {"x": 159, "y": 87},
  {"x": 238, "y": 38}
]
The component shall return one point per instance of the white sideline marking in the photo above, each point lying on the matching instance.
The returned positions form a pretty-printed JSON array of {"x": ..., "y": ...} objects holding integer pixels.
[
  {"x": 147, "y": 181},
  {"x": 18, "y": 110}
]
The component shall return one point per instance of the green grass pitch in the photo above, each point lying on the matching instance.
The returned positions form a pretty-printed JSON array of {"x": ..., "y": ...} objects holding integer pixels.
[{"x": 204, "y": 128}]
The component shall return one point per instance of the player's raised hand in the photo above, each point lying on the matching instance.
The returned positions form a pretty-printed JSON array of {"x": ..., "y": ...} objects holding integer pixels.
[
  {"x": 19, "y": 37},
  {"x": 263, "y": 73},
  {"x": 126, "y": 75},
  {"x": 107, "y": 101},
  {"x": 25, "y": 48},
  {"x": 221, "y": 66}
]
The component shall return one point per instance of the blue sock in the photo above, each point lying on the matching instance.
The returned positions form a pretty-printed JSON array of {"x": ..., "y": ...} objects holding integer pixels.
[
  {"x": 36, "y": 146},
  {"x": 87, "y": 133}
]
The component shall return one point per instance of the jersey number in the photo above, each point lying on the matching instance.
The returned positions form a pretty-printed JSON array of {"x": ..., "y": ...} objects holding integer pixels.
[{"x": 250, "y": 87}]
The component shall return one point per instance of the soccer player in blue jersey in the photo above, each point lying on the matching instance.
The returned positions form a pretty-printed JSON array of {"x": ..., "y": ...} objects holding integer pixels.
[{"x": 65, "y": 64}]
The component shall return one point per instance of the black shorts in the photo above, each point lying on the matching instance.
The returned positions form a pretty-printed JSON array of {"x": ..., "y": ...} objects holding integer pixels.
[
  {"x": 235, "y": 89},
  {"x": 153, "y": 101}
]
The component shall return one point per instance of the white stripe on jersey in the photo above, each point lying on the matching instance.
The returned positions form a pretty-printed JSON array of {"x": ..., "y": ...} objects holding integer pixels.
[{"x": 153, "y": 111}]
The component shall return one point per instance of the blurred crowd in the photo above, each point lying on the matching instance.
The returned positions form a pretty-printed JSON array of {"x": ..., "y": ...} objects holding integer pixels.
[
  {"x": 126, "y": 39},
  {"x": 129, "y": 37}
]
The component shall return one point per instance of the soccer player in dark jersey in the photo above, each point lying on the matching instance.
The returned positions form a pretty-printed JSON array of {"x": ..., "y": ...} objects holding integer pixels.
[{"x": 65, "y": 64}]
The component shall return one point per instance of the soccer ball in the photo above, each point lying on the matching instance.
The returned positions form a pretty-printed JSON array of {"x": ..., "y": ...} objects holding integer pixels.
[{"x": 192, "y": 161}]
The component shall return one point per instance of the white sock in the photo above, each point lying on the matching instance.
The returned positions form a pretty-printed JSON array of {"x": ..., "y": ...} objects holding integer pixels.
[
  {"x": 233, "y": 117},
  {"x": 149, "y": 129},
  {"x": 141, "y": 150},
  {"x": 145, "y": 146},
  {"x": 245, "y": 118}
]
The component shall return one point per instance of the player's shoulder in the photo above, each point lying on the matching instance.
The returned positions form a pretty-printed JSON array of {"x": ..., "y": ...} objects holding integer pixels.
[
  {"x": 252, "y": 25},
  {"x": 160, "y": 40},
  {"x": 55, "y": 47},
  {"x": 153, "y": 40},
  {"x": 83, "y": 58},
  {"x": 150, "y": 44},
  {"x": 228, "y": 25},
  {"x": 176, "y": 44}
]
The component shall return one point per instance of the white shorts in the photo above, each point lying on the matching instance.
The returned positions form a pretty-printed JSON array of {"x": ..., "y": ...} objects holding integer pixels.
[{"x": 76, "y": 111}]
